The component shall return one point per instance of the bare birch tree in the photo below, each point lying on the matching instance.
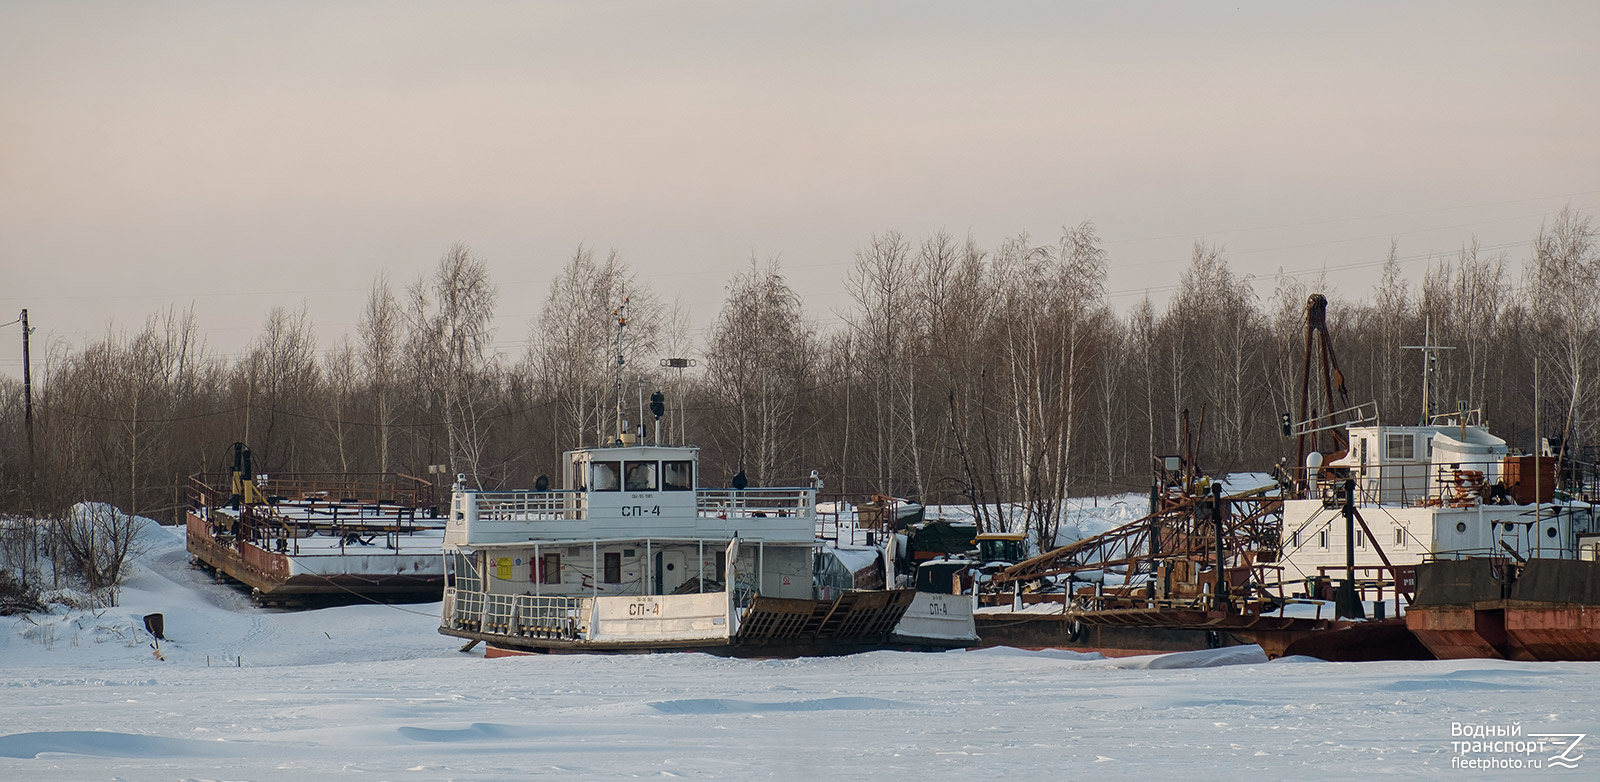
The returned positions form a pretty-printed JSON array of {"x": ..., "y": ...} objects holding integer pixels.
[
  {"x": 281, "y": 374},
  {"x": 1565, "y": 275},
  {"x": 340, "y": 373},
  {"x": 881, "y": 285},
  {"x": 759, "y": 358},
  {"x": 379, "y": 331},
  {"x": 450, "y": 319},
  {"x": 572, "y": 344}
]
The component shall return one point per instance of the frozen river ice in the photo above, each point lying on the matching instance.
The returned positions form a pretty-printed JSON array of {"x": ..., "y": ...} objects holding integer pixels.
[{"x": 247, "y": 694}]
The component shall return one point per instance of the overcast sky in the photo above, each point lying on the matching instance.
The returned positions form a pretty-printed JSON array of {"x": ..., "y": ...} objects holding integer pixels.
[{"x": 241, "y": 156}]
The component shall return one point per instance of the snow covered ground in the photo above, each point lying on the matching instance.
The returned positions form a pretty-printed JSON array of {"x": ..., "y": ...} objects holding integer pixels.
[{"x": 248, "y": 694}]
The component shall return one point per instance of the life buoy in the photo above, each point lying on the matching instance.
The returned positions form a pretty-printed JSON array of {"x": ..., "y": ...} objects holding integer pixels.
[{"x": 1076, "y": 631}]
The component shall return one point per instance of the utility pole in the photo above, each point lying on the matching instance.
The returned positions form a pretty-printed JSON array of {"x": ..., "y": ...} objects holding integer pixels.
[
  {"x": 27, "y": 395},
  {"x": 30, "y": 478}
]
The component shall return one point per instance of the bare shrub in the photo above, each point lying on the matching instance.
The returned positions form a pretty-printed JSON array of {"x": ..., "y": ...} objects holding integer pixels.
[
  {"x": 97, "y": 540},
  {"x": 16, "y": 597}
]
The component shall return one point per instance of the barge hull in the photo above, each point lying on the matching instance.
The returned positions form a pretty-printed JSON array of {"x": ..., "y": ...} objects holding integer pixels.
[
  {"x": 1047, "y": 631},
  {"x": 271, "y": 574},
  {"x": 1163, "y": 632},
  {"x": 769, "y": 627},
  {"x": 1545, "y": 609}
]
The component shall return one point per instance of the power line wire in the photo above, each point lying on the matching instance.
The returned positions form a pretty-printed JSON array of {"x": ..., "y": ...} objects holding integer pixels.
[
  {"x": 1357, "y": 219},
  {"x": 288, "y": 413}
]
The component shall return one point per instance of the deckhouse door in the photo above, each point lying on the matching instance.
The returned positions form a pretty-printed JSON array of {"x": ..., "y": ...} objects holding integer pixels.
[{"x": 670, "y": 572}]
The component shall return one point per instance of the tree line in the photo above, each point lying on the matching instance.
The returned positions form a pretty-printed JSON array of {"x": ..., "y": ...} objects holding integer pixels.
[{"x": 999, "y": 378}]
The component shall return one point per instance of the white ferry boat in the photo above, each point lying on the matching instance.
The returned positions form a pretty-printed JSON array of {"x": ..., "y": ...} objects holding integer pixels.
[{"x": 629, "y": 555}]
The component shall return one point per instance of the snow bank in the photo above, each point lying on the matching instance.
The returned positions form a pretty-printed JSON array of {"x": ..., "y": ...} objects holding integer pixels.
[
  {"x": 1249, "y": 654},
  {"x": 210, "y": 623},
  {"x": 1046, "y": 654},
  {"x": 105, "y": 744},
  {"x": 1202, "y": 658},
  {"x": 734, "y": 705}
]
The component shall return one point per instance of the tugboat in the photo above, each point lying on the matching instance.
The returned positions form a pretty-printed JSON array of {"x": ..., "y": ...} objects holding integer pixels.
[{"x": 633, "y": 554}]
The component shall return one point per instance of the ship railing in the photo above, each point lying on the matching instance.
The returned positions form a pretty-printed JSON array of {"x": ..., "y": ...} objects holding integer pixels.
[
  {"x": 1098, "y": 598},
  {"x": 1425, "y": 484},
  {"x": 466, "y": 609},
  {"x": 744, "y": 593},
  {"x": 526, "y": 505},
  {"x": 348, "y": 506},
  {"x": 497, "y": 613},
  {"x": 1250, "y": 589},
  {"x": 347, "y": 541},
  {"x": 1373, "y": 582},
  {"x": 1473, "y": 417},
  {"x": 1499, "y": 555},
  {"x": 374, "y": 488},
  {"x": 343, "y": 521},
  {"x": 1580, "y": 473},
  {"x": 857, "y": 522},
  {"x": 203, "y": 495},
  {"x": 755, "y": 503},
  {"x": 547, "y": 617},
  {"x": 264, "y": 528},
  {"x": 846, "y": 530},
  {"x": 519, "y": 616}
]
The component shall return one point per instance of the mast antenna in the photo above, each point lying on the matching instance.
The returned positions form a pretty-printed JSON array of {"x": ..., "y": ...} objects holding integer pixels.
[
  {"x": 621, "y": 315},
  {"x": 1430, "y": 365}
]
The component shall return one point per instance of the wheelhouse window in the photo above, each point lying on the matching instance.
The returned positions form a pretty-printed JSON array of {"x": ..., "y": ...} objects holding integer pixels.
[
  {"x": 677, "y": 476},
  {"x": 641, "y": 476},
  {"x": 1400, "y": 446},
  {"x": 1400, "y": 537},
  {"x": 1322, "y": 539},
  {"x": 605, "y": 476}
]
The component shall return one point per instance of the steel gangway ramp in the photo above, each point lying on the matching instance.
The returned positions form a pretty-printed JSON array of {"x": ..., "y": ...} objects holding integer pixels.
[{"x": 854, "y": 617}]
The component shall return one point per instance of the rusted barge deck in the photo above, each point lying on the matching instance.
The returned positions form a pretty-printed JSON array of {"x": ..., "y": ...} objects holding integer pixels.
[{"x": 296, "y": 536}]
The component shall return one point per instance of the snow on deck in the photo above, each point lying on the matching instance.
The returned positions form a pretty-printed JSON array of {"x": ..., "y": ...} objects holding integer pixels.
[{"x": 345, "y": 513}]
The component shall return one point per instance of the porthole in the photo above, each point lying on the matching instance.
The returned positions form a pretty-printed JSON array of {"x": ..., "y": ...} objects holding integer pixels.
[
  {"x": 1461, "y": 527},
  {"x": 1550, "y": 533}
]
